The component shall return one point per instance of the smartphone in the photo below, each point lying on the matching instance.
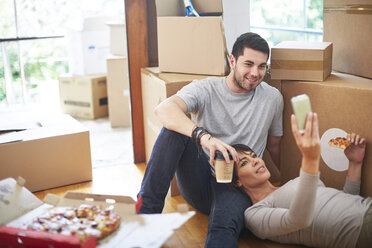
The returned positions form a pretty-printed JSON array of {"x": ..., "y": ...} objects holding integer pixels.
[{"x": 301, "y": 106}]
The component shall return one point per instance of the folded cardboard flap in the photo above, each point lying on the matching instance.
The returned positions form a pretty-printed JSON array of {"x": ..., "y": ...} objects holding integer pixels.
[
  {"x": 44, "y": 127},
  {"x": 15, "y": 200},
  {"x": 123, "y": 205}
]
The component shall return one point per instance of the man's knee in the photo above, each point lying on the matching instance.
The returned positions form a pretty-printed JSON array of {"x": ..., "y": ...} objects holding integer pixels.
[{"x": 231, "y": 222}]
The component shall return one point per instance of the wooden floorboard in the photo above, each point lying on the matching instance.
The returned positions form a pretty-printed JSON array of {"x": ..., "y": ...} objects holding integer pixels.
[{"x": 126, "y": 180}]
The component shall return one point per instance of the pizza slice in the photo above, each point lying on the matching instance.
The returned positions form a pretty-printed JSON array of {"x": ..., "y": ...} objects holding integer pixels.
[{"x": 339, "y": 142}]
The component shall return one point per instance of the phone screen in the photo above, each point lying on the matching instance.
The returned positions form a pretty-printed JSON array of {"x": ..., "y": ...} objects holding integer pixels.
[{"x": 301, "y": 106}]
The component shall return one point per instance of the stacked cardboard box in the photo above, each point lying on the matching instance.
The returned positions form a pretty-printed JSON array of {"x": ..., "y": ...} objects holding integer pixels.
[
  {"x": 348, "y": 25},
  {"x": 343, "y": 101},
  {"x": 83, "y": 96},
  {"x": 118, "y": 77},
  {"x": 296, "y": 60},
  {"x": 156, "y": 87},
  {"x": 118, "y": 91},
  {"x": 199, "y": 45}
]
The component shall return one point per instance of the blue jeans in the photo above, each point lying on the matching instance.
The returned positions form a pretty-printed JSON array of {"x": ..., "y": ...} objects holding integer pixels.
[{"x": 174, "y": 153}]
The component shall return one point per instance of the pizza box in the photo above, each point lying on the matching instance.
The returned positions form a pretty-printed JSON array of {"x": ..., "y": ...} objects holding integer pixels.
[
  {"x": 18, "y": 206},
  {"x": 48, "y": 150}
]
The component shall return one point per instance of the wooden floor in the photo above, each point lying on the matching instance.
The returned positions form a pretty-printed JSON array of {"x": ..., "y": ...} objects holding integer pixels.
[{"x": 126, "y": 180}]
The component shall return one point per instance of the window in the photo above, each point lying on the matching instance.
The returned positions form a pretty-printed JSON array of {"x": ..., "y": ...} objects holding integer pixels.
[
  {"x": 277, "y": 21},
  {"x": 33, "y": 49}
]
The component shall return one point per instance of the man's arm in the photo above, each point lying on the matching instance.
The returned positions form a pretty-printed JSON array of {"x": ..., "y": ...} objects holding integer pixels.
[
  {"x": 172, "y": 114},
  {"x": 273, "y": 147}
]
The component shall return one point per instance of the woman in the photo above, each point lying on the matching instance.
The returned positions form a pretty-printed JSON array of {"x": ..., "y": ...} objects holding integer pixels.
[{"x": 304, "y": 211}]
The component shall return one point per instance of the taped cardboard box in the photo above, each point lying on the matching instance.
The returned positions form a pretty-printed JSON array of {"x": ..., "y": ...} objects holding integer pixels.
[
  {"x": 343, "y": 103},
  {"x": 21, "y": 207},
  {"x": 348, "y": 25},
  {"x": 294, "y": 60},
  {"x": 192, "y": 45},
  {"x": 83, "y": 96},
  {"x": 52, "y": 153},
  {"x": 118, "y": 91}
]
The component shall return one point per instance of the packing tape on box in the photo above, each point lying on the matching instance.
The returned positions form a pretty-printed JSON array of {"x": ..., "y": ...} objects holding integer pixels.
[
  {"x": 297, "y": 65},
  {"x": 304, "y": 65},
  {"x": 365, "y": 9}
]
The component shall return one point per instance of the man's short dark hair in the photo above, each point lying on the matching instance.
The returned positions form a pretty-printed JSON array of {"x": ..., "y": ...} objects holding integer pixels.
[{"x": 250, "y": 40}]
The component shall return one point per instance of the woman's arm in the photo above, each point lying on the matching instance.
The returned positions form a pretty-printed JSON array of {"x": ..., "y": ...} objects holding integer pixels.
[
  {"x": 268, "y": 221},
  {"x": 355, "y": 154}
]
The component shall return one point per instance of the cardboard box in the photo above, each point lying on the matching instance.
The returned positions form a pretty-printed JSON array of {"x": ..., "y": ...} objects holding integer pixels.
[
  {"x": 274, "y": 171},
  {"x": 156, "y": 87},
  {"x": 150, "y": 230},
  {"x": 83, "y": 96},
  {"x": 295, "y": 60},
  {"x": 342, "y": 101},
  {"x": 55, "y": 152},
  {"x": 88, "y": 47},
  {"x": 177, "y": 8},
  {"x": 192, "y": 45},
  {"x": 118, "y": 39},
  {"x": 118, "y": 92},
  {"x": 348, "y": 26},
  {"x": 235, "y": 14}
]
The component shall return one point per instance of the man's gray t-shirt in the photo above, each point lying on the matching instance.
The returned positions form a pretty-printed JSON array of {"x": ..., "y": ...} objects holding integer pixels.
[{"x": 244, "y": 118}]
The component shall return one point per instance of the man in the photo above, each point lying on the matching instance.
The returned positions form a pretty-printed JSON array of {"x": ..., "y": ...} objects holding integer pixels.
[{"x": 239, "y": 108}]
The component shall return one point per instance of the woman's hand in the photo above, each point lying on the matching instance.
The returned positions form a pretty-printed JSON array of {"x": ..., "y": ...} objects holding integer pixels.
[
  {"x": 308, "y": 142},
  {"x": 355, "y": 152}
]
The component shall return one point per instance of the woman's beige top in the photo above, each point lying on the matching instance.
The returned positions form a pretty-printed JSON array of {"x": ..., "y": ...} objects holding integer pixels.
[{"x": 304, "y": 211}]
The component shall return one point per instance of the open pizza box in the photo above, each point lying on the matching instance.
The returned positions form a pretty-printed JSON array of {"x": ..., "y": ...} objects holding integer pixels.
[{"x": 18, "y": 206}]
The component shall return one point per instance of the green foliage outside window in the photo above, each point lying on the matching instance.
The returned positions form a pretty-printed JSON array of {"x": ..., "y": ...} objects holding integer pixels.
[{"x": 287, "y": 14}]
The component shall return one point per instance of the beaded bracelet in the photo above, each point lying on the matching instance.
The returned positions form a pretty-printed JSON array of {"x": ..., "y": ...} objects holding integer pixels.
[{"x": 195, "y": 132}]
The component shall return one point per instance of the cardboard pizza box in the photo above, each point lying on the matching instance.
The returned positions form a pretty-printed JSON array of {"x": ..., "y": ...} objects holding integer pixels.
[{"x": 18, "y": 206}]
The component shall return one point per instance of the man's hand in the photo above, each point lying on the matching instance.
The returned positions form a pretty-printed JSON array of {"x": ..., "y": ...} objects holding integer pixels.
[
  {"x": 355, "y": 152},
  {"x": 213, "y": 144}
]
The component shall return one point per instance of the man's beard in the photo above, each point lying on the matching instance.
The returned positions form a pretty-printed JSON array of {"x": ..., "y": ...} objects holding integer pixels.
[{"x": 239, "y": 83}]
